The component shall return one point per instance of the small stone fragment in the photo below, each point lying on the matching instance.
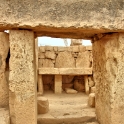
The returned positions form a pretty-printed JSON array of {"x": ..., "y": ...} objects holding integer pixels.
[
  {"x": 91, "y": 100},
  {"x": 42, "y": 105},
  {"x": 70, "y": 91}
]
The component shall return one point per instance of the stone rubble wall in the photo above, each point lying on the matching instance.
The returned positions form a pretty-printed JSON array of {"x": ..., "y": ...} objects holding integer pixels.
[{"x": 65, "y": 57}]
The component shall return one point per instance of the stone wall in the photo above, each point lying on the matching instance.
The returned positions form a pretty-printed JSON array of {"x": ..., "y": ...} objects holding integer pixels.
[
  {"x": 65, "y": 57},
  {"x": 108, "y": 59}
]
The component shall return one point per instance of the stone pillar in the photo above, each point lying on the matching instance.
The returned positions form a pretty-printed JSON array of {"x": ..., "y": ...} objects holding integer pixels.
[
  {"x": 108, "y": 68},
  {"x": 40, "y": 85},
  {"x": 86, "y": 84},
  {"x": 4, "y": 88},
  {"x": 22, "y": 80},
  {"x": 58, "y": 84}
]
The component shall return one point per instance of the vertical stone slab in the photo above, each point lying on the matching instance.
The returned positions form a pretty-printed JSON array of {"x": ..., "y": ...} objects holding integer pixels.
[
  {"x": 108, "y": 68},
  {"x": 40, "y": 85},
  {"x": 4, "y": 88},
  {"x": 86, "y": 84},
  {"x": 58, "y": 84},
  {"x": 22, "y": 85}
]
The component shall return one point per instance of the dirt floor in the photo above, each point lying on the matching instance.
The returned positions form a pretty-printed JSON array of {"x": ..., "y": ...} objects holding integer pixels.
[{"x": 68, "y": 109}]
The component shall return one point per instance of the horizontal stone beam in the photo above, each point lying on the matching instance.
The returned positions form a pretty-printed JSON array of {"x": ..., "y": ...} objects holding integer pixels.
[
  {"x": 66, "y": 71},
  {"x": 71, "y": 18}
]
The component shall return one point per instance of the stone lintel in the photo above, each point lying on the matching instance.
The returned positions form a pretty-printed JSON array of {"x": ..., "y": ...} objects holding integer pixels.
[{"x": 66, "y": 71}]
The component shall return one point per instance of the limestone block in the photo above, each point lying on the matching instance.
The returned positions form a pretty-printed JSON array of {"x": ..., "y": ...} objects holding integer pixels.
[
  {"x": 82, "y": 48},
  {"x": 42, "y": 49},
  {"x": 75, "y": 48},
  {"x": 55, "y": 48},
  {"x": 76, "y": 42},
  {"x": 22, "y": 80},
  {"x": 4, "y": 116},
  {"x": 41, "y": 55},
  {"x": 68, "y": 85},
  {"x": 70, "y": 91},
  {"x": 67, "y": 78},
  {"x": 91, "y": 100},
  {"x": 50, "y": 55},
  {"x": 49, "y": 48},
  {"x": 93, "y": 89},
  {"x": 48, "y": 63},
  {"x": 4, "y": 88},
  {"x": 89, "y": 48},
  {"x": 58, "y": 84},
  {"x": 90, "y": 81},
  {"x": 83, "y": 60},
  {"x": 65, "y": 60},
  {"x": 70, "y": 48},
  {"x": 40, "y": 63},
  {"x": 42, "y": 105},
  {"x": 79, "y": 86},
  {"x": 61, "y": 49}
]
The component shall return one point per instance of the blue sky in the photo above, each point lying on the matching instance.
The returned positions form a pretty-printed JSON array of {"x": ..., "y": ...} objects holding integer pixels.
[{"x": 42, "y": 41}]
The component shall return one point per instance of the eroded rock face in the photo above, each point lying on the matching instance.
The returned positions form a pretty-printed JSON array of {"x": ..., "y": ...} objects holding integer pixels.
[
  {"x": 65, "y": 60},
  {"x": 4, "y": 89}
]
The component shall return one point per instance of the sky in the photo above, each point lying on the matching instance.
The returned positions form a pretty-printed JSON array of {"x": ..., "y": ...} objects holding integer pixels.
[{"x": 42, "y": 41}]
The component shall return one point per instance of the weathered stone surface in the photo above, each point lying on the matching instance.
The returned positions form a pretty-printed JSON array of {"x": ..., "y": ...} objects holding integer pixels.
[
  {"x": 50, "y": 55},
  {"x": 65, "y": 60},
  {"x": 42, "y": 49},
  {"x": 55, "y": 48},
  {"x": 48, "y": 63},
  {"x": 75, "y": 48},
  {"x": 108, "y": 68},
  {"x": 91, "y": 100},
  {"x": 4, "y": 116},
  {"x": 90, "y": 81},
  {"x": 70, "y": 91},
  {"x": 67, "y": 78},
  {"x": 93, "y": 89},
  {"x": 83, "y": 60},
  {"x": 61, "y": 49},
  {"x": 79, "y": 86},
  {"x": 41, "y": 55},
  {"x": 58, "y": 84},
  {"x": 71, "y": 18},
  {"x": 89, "y": 48},
  {"x": 22, "y": 81},
  {"x": 49, "y": 48},
  {"x": 42, "y": 105},
  {"x": 82, "y": 48},
  {"x": 4, "y": 88}
]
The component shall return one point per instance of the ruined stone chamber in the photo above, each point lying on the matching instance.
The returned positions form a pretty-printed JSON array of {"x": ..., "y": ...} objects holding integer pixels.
[
  {"x": 64, "y": 68},
  {"x": 89, "y": 19}
]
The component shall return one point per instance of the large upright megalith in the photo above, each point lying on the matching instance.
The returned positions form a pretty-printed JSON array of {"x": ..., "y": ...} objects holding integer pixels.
[
  {"x": 108, "y": 68},
  {"x": 22, "y": 80},
  {"x": 4, "y": 90}
]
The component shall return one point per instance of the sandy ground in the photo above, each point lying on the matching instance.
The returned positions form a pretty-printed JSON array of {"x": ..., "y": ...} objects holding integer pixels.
[{"x": 67, "y": 109}]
